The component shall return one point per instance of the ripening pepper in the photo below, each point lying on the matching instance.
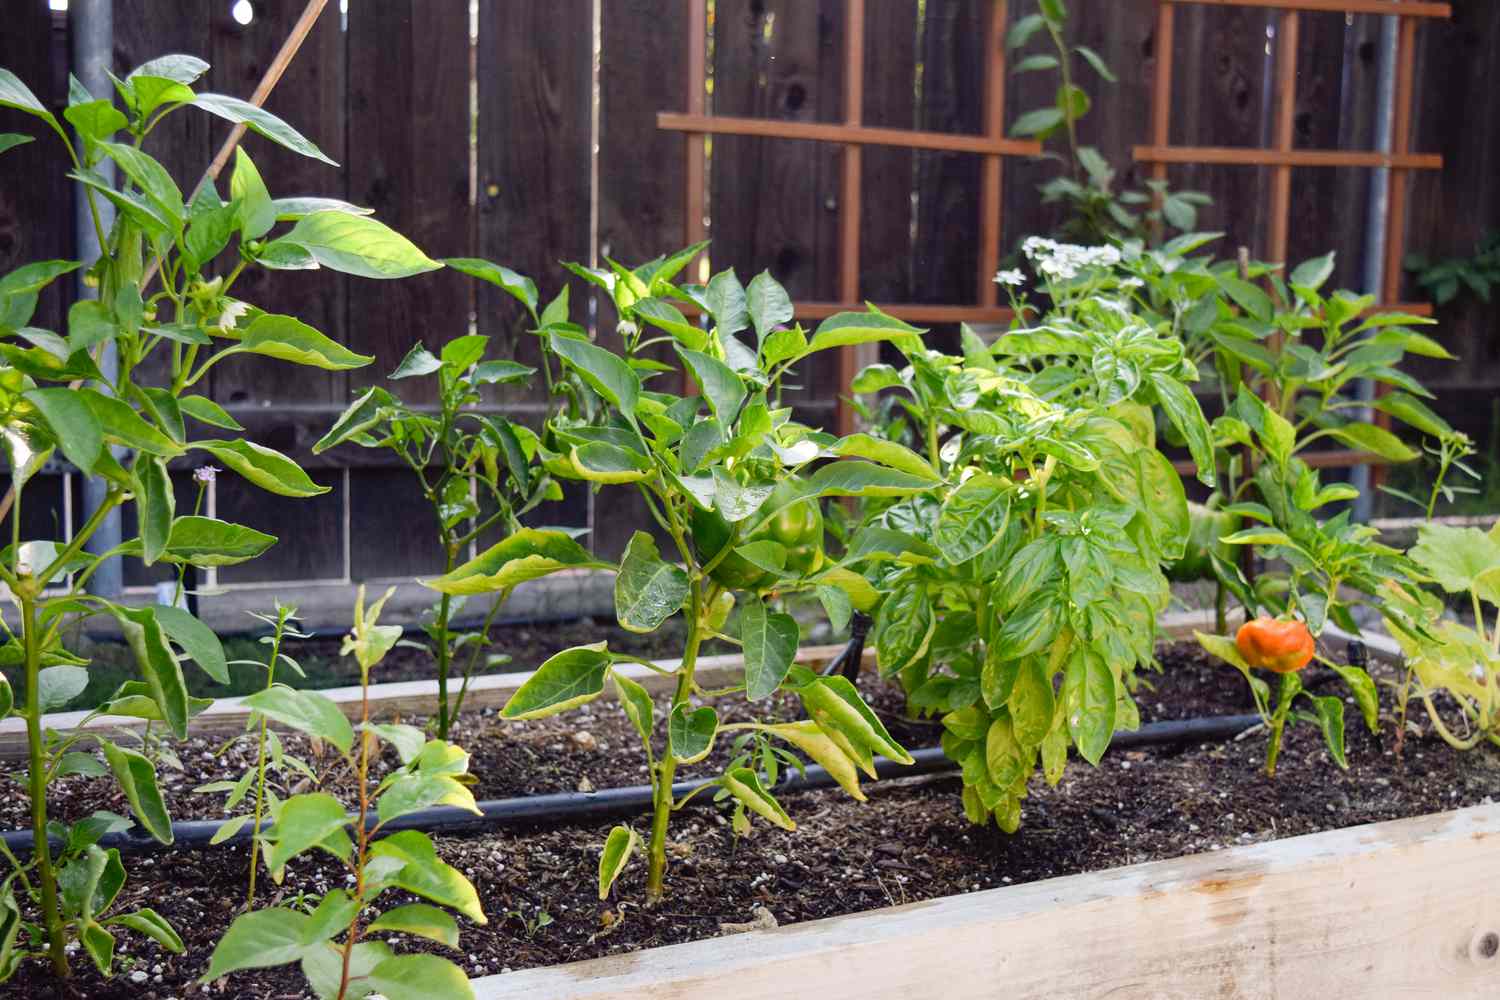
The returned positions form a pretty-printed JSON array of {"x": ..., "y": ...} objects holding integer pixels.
[
  {"x": 1283, "y": 647},
  {"x": 797, "y": 527}
]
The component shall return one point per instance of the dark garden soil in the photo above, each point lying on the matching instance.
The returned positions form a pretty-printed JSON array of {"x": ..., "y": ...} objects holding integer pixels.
[{"x": 910, "y": 842}]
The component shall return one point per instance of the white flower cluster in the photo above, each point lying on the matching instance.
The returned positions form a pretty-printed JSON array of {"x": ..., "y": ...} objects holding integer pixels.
[
  {"x": 1013, "y": 278},
  {"x": 1063, "y": 261}
]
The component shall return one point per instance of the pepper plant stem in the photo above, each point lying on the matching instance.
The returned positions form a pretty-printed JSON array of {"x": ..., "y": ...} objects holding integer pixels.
[{"x": 37, "y": 772}]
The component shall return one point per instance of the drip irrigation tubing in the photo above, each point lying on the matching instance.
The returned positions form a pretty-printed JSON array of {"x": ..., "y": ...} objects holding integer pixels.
[{"x": 564, "y": 808}]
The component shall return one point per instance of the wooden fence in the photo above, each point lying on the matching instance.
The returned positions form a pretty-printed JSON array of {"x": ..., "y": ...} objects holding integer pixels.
[{"x": 489, "y": 129}]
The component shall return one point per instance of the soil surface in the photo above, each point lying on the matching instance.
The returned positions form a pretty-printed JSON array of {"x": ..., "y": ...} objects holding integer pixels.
[{"x": 910, "y": 842}]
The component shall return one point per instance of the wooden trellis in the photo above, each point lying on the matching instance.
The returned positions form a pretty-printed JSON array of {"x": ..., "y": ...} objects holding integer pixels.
[
  {"x": 853, "y": 135},
  {"x": 1283, "y": 157}
]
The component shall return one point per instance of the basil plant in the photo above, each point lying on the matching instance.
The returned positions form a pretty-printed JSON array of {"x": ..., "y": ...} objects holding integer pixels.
[
  {"x": 475, "y": 469},
  {"x": 733, "y": 484},
  {"x": 165, "y": 304},
  {"x": 1021, "y": 594}
]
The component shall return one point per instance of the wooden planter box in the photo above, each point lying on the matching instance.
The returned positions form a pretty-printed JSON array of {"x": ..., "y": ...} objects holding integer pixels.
[{"x": 1407, "y": 908}]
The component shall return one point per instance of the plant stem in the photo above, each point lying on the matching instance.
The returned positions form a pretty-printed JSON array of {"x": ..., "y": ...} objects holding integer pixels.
[
  {"x": 666, "y": 768},
  {"x": 37, "y": 772},
  {"x": 444, "y": 653},
  {"x": 365, "y": 739},
  {"x": 260, "y": 770}
]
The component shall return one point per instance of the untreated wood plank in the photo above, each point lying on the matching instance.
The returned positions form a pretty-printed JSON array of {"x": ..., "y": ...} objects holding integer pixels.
[
  {"x": 1402, "y": 908},
  {"x": 1233, "y": 156},
  {"x": 1404, "y": 8}
]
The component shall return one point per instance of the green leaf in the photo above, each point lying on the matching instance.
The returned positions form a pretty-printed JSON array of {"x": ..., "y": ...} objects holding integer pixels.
[
  {"x": 207, "y": 411},
  {"x": 136, "y": 777},
  {"x": 10, "y": 140},
  {"x": 100, "y": 945},
  {"x": 1089, "y": 700},
  {"x": 411, "y": 792},
  {"x": 1004, "y": 758},
  {"x": 973, "y": 518},
  {"x": 151, "y": 177},
  {"x": 305, "y": 822},
  {"x": 1037, "y": 122},
  {"x": 1362, "y": 687},
  {"x": 602, "y": 462},
  {"x": 1368, "y": 437},
  {"x": 690, "y": 732},
  {"x": 323, "y": 967},
  {"x": 292, "y": 209},
  {"x": 618, "y": 847},
  {"x": 837, "y": 605},
  {"x": 1032, "y": 702},
  {"x": 56, "y": 686},
  {"x": 605, "y": 373},
  {"x": 206, "y": 541},
  {"x": 332, "y": 916},
  {"x": 159, "y": 668},
  {"x": 358, "y": 245},
  {"x": 15, "y": 94},
  {"x": 122, "y": 424},
  {"x": 517, "y": 286},
  {"x": 1413, "y": 412},
  {"x": 8, "y": 698},
  {"x": 566, "y": 680},
  {"x": 648, "y": 590},
  {"x": 153, "y": 925},
  {"x": 885, "y": 452},
  {"x": 835, "y": 705},
  {"x": 1182, "y": 409},
  {"x": 722, "y": 387},
  {"x": 745, "y": 786},
  {"x": 196, "y": 639},
  {"x": 259, "y": 939},
  {"x": 425, "y": 875},
  {"x": 419, "y": 977},
  {"x": 1248, "y": 297},
  {"x": 177, "y": 67},
  {"x": 768, "y": 304},
  {"x": 903, "y": 628},
  {"x": 848, "y": 328},
  {"x": 289, "y": 339},
  {"x": 1096, "y": 61},
  {"x": 1330, "y": 711},
  {"x": 1314, "y": 272},
  {"x": 306, "y": 711},
  {"x": 269, "y": 469},
  {"x": 1036, "y": 62},
  {"x": 524, "y": 555},
  {"x": 665, "y": 316},
  {"x": 156, "y": 504},
  {"x": 261, "y": 122},
  {"x": 769, "y": 640},
  {"x": 420, "y": 920},
  {"x": 1030, "y": 628},
  {"x": 73, "y": 424},
  {"x": 1457, "y": 558},
  {"x": 636, "y": 702}
]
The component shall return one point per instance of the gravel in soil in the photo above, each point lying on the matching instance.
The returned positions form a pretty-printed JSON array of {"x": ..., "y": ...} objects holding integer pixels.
[{"x": 910, "y": 842}]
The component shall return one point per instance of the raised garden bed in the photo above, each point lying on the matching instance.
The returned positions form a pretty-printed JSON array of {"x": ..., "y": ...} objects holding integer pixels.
[{"x": 910, "y": 844}]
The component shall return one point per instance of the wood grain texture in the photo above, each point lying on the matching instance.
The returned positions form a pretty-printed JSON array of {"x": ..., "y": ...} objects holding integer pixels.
[
  {"x": 408, "y": 153},
  {"x": 534, "y": 76},
  {"x": 1402, "y": 908},
  {"x": 36, "y": 200}
]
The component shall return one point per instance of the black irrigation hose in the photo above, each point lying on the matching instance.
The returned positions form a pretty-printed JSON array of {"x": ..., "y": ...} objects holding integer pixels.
[
  {"x": 586, "y": 807},
  {"x": 852, "y": 656}
]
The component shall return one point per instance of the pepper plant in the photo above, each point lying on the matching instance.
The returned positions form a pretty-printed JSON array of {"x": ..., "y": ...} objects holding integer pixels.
[
  {"x": 432, "y": 772},
  {"x": 1444, "y": 655},
  {"x": 165, "y": 305},
  {"x": 1021, "y": 594},
  {"x": 475, "y": 469},
  {"x": 732, "y": 483},
  {"x": 1287, "y": 364}
]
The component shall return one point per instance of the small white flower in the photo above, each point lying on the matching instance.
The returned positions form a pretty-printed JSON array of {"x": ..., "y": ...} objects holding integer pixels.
[
  {"x": 204, "y": 474},
  {"x": 1130, "y": 284},
  {"x": 1013, "y": 277}
]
